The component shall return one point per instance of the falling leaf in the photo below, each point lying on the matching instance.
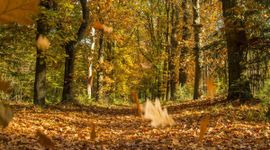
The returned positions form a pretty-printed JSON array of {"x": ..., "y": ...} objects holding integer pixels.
[
  {"x": 43, "y": 43},
  {"x": 19, "y": 11},
  {"x": 211, "y": 88},
  {"x": 97, "y": 25},
  {"x": 136, "y": 100},
  {"x": 6, "y": 115},
  {"x": 44, "y": 140},
  {"x": 157, "y": 116},
  {"x": 203, "y": 126},
  {"x": 93, "y": 132},
  {"x": 107, "y": 29},
  {"x": 4, "y": 86},
  {"x": 100, "y": 26}
]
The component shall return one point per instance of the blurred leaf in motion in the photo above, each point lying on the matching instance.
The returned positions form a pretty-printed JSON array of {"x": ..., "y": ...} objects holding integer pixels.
[
  {"x": 44, "y": 140},
  {"x": 19, "y": 11},
  {"x": 6, "y": 115},
  {"x": 203, "y": 126}
]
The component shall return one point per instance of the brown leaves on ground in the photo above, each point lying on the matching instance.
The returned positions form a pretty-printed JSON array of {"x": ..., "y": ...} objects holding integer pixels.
[
  {"x": 19, "y": 11},
  {"x": 242, "y": 127}
]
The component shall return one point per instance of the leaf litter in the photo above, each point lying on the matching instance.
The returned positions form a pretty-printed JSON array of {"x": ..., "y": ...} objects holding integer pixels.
[{"x": 226, "y": 127}]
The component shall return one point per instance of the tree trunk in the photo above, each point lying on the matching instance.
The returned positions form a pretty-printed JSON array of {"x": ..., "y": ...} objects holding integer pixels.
[
  {"x": 174, "y": 46},
  {"x": 197, "y": 40},
  {"x": 90, "y": 67},
  {"x": 185, "y": 37},
  {"x": 68, "y": 95},
  {"x": 40, "y": 75},
  {"x": 99, "y": 92},
  {"x": 236, "y": 45}
]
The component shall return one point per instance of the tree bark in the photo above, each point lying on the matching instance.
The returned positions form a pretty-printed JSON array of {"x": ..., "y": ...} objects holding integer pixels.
[
  {"x": 197, "y": 40},
  {"x": 40, "y": 74},
  {"x": 185, "y": 37},
  {"x": 99, "y": 93},
  {"x": 174, "y": 46},
  {"x": 68, "y": 93},
  {"x": 90, "y": 67},
  {"x": 236, "y": 44}
]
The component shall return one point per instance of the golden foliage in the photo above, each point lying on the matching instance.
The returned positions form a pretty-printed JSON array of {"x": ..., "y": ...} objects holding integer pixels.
[
  {"x": 203, "y": 126},
  {"x": 6, "y": 115},
  {"x": 44, "y": 140},
  {"x": 157, "y": 116},
  {"x": 19, "y": 11}
]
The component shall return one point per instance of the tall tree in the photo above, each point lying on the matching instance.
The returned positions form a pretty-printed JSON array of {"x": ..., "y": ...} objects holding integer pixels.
[
  {"x": 99, "y": 92},
  {"x": 40, "y": 75},
  {"x": 68, "y": 95},
  {"x": 237, "y": 45},
  {"x": 197, "y": 40},
  {"x": 173, "y": 50},
  {"x": 185, "y": 37}
]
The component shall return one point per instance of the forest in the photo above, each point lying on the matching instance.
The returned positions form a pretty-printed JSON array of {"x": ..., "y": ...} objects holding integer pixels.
[{"x": 134, "y": 74}]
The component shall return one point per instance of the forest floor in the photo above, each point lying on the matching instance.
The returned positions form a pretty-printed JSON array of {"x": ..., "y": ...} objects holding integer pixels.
[{"x": 231, "y": 126}]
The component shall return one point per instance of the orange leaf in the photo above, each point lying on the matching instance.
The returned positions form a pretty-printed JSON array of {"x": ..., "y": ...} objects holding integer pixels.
[
  {"x": 136, "y": 100},
  {"x": 93, "y": 132},
  {"x": 203, "y": 126},
  {"x": 211, "y": 88},
  {"x": 100, "y": 26},
  {"x": 4, "y": 86},
  {"x": 6, "y": 115},
  {"x": 97, "y": 25},
  {"x": 19, "y": 11}
]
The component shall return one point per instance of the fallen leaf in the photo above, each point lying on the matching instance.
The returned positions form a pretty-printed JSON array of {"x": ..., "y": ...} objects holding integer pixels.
[
  {"x": 6, "y": 115},
  {"x": 19, "y": 11},
  {"x": 44, "y": 140},
  {"x": 203, "y": 126}
]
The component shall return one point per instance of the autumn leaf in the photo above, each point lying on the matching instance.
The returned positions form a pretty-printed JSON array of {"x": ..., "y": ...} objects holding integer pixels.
[
  {"x": 136, "y": 100},
  {"x": 6, "y": 115},
  {"x": 211, "y": 88},
  {"x": 100, "y": 26},
  {"x": 4, "y": 86},
  {"x": 203, "y": 126},
  {"x": 107, "y": 29},
  {"x": 93, "y": 132},
  {"x": 43, "y": 43},
  {"x": 44, "y": 140},
  {"x": 157, "y": 116},
  {"x": 19, "y": 11}
]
